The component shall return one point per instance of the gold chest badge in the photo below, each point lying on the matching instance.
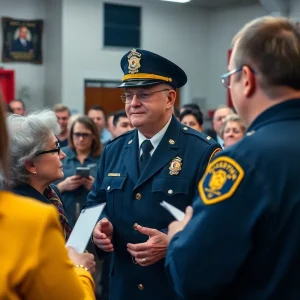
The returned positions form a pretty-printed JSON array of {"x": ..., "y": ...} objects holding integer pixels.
[
  {"x": 175, "y": 166},
  {"x": 134, "y": 59}
]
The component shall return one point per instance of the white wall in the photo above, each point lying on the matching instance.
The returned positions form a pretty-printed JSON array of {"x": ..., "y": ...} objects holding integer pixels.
[
  {"x": 53, "y": 59},
  {"x": 176, "y": 31},
  {"x": 295, "y": 9},
  {"x": 27, "y": 75},
  {"x": 223, "y": 25}
]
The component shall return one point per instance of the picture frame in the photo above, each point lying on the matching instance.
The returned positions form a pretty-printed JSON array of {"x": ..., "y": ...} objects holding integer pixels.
[{"x": 22, "y": 40}]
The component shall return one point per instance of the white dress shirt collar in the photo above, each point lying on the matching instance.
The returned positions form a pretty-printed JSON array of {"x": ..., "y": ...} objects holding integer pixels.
[
  {"x": 155, "y": 140},
  {"x": 220, "y": 141}
]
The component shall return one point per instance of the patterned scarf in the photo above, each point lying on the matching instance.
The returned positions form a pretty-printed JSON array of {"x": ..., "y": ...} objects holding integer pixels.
[{"x": 55, "y": 200}]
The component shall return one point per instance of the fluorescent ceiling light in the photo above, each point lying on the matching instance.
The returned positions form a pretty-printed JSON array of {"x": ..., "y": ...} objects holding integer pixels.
[{"x": 178, "y": 1}]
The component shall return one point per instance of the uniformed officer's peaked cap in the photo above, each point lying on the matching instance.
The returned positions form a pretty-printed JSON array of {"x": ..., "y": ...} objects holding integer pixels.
[{"x": 145, "y": 68}]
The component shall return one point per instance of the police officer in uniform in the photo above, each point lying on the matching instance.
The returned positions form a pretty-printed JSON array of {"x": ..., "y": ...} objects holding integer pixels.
[
  {"x": 243, "y": 240},
  {"x": 161, "y": 160}
]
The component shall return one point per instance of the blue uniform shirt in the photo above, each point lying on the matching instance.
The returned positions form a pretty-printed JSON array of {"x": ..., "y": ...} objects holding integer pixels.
[
  {"x": 172, "y": 174},
  {"x": 243, "y": 241},
  {"x": 71, "y": 198}
]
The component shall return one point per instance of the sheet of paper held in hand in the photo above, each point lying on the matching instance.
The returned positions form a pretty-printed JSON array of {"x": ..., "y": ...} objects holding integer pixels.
[
  {"x": 84, "y": 226},
  {"x": 174, "y": 211}
]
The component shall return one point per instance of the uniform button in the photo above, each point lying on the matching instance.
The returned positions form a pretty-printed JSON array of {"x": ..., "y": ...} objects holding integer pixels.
[
  {"x": 135, "y": 225},
  {"x": 140, "y": 287},
  {"x": 170, "y": 192},
  {"x": 138, "y": 196},
  {"x": 108, "y": 188},
  {"x": 185, "y": 128}
]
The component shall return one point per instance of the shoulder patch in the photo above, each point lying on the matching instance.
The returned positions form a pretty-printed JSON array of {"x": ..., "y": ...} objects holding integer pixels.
[
  {"x": 220, "y": 181},
  {"x": 214, "y": 153}
]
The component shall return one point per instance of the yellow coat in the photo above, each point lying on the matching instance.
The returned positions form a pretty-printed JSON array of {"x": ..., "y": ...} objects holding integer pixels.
[{"x": 33, "y": 260}]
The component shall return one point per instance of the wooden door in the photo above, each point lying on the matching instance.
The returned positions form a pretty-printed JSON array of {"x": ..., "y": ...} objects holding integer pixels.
[{"x": 108, "y": 98}]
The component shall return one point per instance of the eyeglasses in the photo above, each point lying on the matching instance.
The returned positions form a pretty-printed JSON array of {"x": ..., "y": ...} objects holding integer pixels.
[
  {"x": 49, "y": 151},
  {"x": 77, "y": 135},
  {"x": 140, "y": 96},
  {"x": 226, "y": 77}
]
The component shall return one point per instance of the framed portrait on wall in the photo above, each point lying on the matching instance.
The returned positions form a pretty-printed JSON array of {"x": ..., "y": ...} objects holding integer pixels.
[{"x": 22, "y": 40}]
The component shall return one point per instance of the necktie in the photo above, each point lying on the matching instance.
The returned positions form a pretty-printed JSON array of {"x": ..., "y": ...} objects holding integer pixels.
[{"x": 145, "y": 157}]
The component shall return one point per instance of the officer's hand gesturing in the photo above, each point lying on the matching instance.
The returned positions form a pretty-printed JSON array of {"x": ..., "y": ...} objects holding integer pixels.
[
  {"x": 102, "y": 235},
  {"x": 153, "y": 250}
]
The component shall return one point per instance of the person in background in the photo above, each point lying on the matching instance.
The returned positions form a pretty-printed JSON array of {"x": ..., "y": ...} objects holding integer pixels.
[
  {"x": 83, "y": 151},
  {"x": 233, "y": 130},
  {"x": 71, "y": 120},
  {"x": 36, "y": 160},
  {"x": 22, "y": 43},
  {"x": 141, "y": 168},
  {"x": 243, "y": 239},
  {"x": 34, "y": 260},
  {"x": 63, "y": 114},
  {"x": 17, "y": 106},
  {"x": 8, "y": 109},
  {"x": 121, "y": 123},
  {"x": 193, "y": 106},
  {"x": 219, "y": 115},
  {"x": 97, "y": 114},
  {"x": 192, "y": 118},
  {"x": 110, "y": 125}
]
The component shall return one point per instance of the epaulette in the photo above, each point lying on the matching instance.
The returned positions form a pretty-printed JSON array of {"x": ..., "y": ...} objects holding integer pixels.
[
  {"x": 202, "y": 136},
  {"x": 121, "y": 136}
]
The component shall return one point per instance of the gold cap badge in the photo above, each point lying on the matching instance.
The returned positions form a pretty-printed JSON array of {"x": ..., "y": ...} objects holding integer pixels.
[
  {"x": 134, "y": 59},
  {"x": 175, "y": 166}
]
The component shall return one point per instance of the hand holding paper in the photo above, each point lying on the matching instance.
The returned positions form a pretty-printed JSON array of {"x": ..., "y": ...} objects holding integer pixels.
[
  {"x": 182, "y": 218},
  {"x": 174, "y": 211},
  {"x": 83, "y": 228}
]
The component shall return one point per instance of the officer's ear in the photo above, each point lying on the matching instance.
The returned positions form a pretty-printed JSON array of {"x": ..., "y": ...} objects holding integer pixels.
[
  {"x": 171, "y": 97},
  {"x": 249, "y": 81}
]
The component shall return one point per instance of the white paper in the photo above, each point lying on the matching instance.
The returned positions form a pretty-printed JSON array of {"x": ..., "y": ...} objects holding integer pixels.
[
  {"x": 84, "y": 226},
  {"x": 175, "y": 212}
]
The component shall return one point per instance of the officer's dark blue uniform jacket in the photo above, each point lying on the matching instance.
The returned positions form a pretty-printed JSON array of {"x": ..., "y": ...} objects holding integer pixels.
[
  {"x": 243, "y": 242},
  {"x": 134, "y": 199}
]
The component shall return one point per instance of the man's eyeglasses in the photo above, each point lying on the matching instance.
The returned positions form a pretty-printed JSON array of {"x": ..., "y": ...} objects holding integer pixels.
[
  {"x": 49, "y": 151},
  {"x": 77, "y": 135},
  {"x": 226, "y": 77},
  {"x": 141, "y": 96}
]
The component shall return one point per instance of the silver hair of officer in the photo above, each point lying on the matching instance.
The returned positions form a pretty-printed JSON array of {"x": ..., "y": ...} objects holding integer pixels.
[{"x": 28, "y": 135}]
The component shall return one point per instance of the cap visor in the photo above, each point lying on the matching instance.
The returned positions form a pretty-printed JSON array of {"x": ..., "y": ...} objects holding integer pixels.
[{"x": 138, "y": 83}]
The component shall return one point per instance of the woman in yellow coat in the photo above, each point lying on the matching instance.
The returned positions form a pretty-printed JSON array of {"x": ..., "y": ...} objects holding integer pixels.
[{"x": 34, "y": 261}]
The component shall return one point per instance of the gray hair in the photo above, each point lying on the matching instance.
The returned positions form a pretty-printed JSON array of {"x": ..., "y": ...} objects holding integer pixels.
[
  {"x": 222, "y": 107},
  {"x": 28, "y": 135},
  {"x": 232, "y": 118}
]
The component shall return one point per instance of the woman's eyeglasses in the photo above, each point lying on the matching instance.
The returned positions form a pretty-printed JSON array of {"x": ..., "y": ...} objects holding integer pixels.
[
  {"x": 78, "y": 135},
  {"x": 49, "y": 151}
]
